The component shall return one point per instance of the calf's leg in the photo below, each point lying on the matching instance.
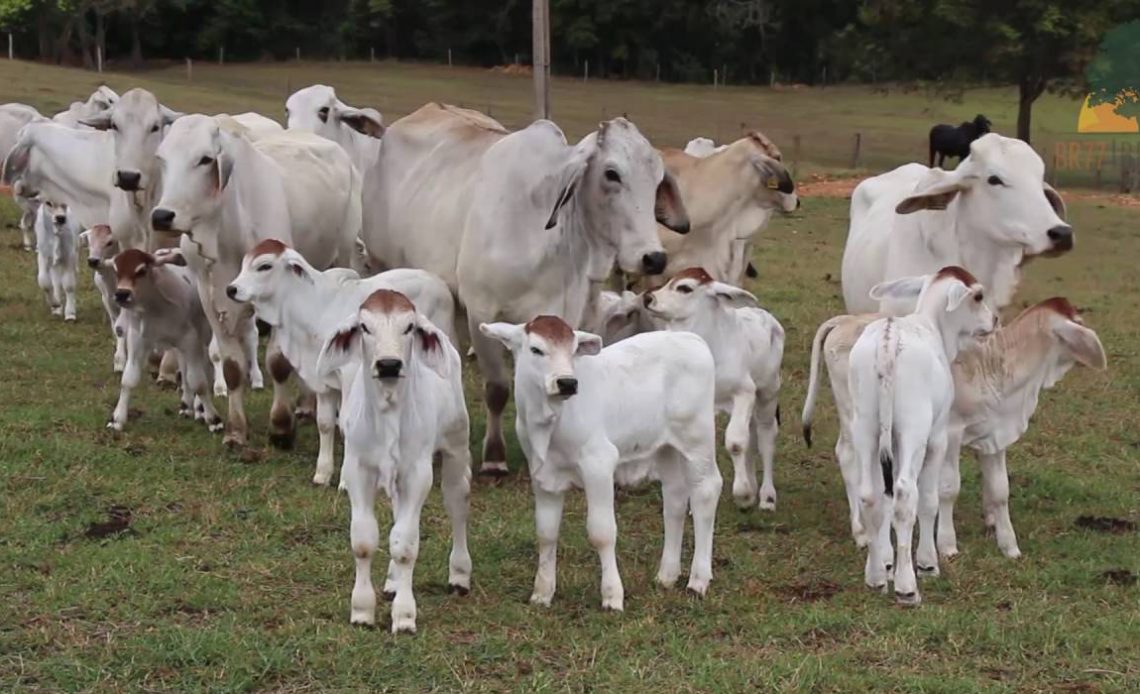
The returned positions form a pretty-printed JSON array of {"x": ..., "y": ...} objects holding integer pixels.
[
  {"x": 547, "y": 520},
  {"x": 765, "y": 423},
  {"x": 364, "y": 534},
  {"x": 995, "y": 480}
]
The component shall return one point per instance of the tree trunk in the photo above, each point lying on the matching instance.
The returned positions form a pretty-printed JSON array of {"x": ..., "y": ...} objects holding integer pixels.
[
  {"x": 100, "y": 34},
  {"x": 85, "y": 49},
  {"x": 43, "y": 32},
  {"x": 1028, "y": 91},
  {"x": 136, "y": 43}
]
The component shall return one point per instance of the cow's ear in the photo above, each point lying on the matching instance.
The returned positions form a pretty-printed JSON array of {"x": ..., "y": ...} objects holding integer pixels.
[
  {"x": 1055, "y": 201},
  {"x": 904, "y": 288},
  {"x": 1082, "y": 343},
  {"x": 169, "y": 115},
  {"x": 509, "y": 334},
  {"x": 668, "y": 206},
  {"x": 432, "y": 346},
  {"x": 17, "y": 161},
  {"x": 169, "y": 256},
  {"x": 933, "y": 194},
  {"x": 366, "y": 121},
  {"x": 99, "y": 121},
  {"x": 560, "y": 186},
  {"x": 225, "y": 159},
  {"x": 734, "y": 297},
  {"x": 589, "y": 344},
  {"x": 340, "y": 349},
  {"x": 773, "y": 175}
]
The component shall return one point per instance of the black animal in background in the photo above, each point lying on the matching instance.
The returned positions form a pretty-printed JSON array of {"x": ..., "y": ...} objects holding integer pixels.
[{"x": 950, "y": 141}]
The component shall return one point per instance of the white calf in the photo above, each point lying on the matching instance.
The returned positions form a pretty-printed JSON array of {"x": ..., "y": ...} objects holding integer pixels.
[
  {"x": 306, "y": 306},
  {"x": 56, "y": 236},
  {"x": 404, "y": 405},
  {"x": 101, "y": 246},
  {"x": 902, "y": 391},
  {"x": 996, "y": 388},
  {"x": 168, "y": 315},
  {"x": 639, "y": 409},
  {"x": 747, "y": 344}
]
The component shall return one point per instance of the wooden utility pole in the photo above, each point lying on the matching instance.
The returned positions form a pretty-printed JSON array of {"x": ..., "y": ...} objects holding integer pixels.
[{"x": 541, "y": 58}]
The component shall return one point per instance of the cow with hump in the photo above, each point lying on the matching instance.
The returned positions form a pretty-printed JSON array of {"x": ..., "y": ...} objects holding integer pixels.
[
  {"x": 224, "y": 193},
  {"x": 518, "y": 224},
  {"x": 989, "y": 215}
]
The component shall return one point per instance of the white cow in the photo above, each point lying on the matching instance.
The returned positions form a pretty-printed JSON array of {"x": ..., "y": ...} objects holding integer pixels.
[
  {"x": 101, "y": 246},
  {"x": 703, "y": 147},
  {"x": 317, "y": 109},
  {"x": 136, "y": 124},
  {"x": 901, "y": 392},
  {"x": 169, "y": 316},
  {"x": 225, "y": 193},
  {"x": 520, "y": 224},
  {"x": 996, "y": 389},
  {"x": 747, "y": 345},
  {"x": 589, "y": 417},
  {"x": 101, "y": 99},
  {"x": 987, "y": 215},
  {"x": 306, "y": 306},
  {"x": 13, "y": 117},
  {"x": 65, "y": 164},
  {"x": 730, "y": 196},
  {"x": 56, "y": 238},
  {"x": 403, "y": 405}
]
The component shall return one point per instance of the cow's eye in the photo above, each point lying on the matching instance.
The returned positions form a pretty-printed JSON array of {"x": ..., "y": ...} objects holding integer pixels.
[
  {"x": 154, "y": 128},
  {"x": 323, "y": 114},
  {"x": 978, "y": 297},
  {"x": 536, "y": 351},
  {"x": 685, "y": 289},
  {"x": 265, "y": 267},
  {"x": 613, "y": 176},
  {"x": 206, "y": 161},
  {"x": 113, "y": 126},
  {"x": 140, "y": 272},
  {"x": 409, "y": 328},
  {"x": 995, "y": 181}
]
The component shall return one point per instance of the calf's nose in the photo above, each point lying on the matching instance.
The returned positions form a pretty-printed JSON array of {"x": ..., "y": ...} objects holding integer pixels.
[
  {"x": 93, "y": 263},
  {"x": 162, "y": 219},
  {"x": 1062, "y": 237},
  {"x": 128, "y": 180},
  {"x": 60, "y": 219},
  {"x": 654, "y": 263},
  {"x": 122, "y": 295},
  {"x": 567, "y": 386},
  {"x": 389, "y": 368},
  {"x": 231, "y": 291}
]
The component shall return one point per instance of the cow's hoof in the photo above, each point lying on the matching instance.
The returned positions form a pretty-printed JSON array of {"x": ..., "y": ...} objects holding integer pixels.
[
  {"x": 403, "y": 625},
  {"x": 456, "y": 589},
  {"x": 216, "y": 426},
  {"x": 927, "y": 571},
  {"x": 363, "y": 619},
  {"x": 165, "y": 383},
  {"x": 388, "y": 595},
  {"x": 69, "y": 319},
  {"x": 768, "y": 503},
  {"x": 494, "y": 469},
  {"x": 282, "y": 441},
  {"x": 187, "y": 412},
  {"x": 115, "y": 426},
  {"x": 233, "y": 442}
]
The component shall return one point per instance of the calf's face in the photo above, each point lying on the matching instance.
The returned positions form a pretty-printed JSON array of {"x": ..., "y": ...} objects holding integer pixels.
[
  {"x": 263, "y": 270},
  {"x": 100, "y": 245},
  {"x": 544, "y": 351},
  {"x": 693, "y": 292},
  {"x": 57, "y": 212},
  {"x": 134, "y": 271}
]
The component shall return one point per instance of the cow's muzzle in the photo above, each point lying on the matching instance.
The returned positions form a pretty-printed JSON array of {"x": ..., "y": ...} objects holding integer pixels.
[
  {"x": 388, "y": 368},
  {"x": 654, "y": 263},
  {"x": 162, "y": 219},
  {"x": 1062, "y": 238}
]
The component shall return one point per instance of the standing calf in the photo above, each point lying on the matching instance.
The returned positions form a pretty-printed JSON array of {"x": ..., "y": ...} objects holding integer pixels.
[
  {"x": 996, "y": 388},
  {"x": 404, "y": 404},
  {"x": 588, "y": 417},
  {"x": 168, "y": 315},
  {"x": 56, "y": 236},
  {"x": 747, "y": 344},
  {"x": 902, "y": 391},
  {"x": 306, "y": 306},
  {"x": 101, "y": 247}
]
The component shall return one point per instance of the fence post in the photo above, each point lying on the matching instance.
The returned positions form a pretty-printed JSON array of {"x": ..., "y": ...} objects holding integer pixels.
[
  {"x": 586, "y": 71},
  {"x": 11, "y": 48},
  {"x": 1096, "y": 180},
  {"x": 449, "y": 57},
  {"x": 99, "y": 59},
  {"x": 795, "y": 155},
  {"x": 714, "y": 77},
  {"x": 1126, "y": 172},
  {"x": 221, "y": 55},
  {"x": 1053, "y": 171},
  {"x": 855, "y": 156},
  {"x": 372, "y": 54},
  {"x": 189, "y": 70},
  {"x": 297, "y": 53},
  {"x": 723, "y": 75}
]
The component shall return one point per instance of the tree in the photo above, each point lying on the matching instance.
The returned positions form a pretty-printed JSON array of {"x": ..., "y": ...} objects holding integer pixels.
[
  {"x": 1038, "y": 45},
  {"x": 1114, "y": 75}
]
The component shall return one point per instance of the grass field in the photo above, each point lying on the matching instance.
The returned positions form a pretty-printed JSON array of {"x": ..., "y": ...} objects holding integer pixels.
[
  {"x": 235, "y": 574},
  {"x": 894, "y": 128}
]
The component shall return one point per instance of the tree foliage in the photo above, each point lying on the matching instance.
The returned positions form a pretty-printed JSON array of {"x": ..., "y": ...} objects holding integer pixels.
[{"x": 1114, "y": 75}]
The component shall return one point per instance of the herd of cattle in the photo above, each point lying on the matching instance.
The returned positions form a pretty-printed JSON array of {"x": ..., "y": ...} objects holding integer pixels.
[{"x": 374, "y": 252}]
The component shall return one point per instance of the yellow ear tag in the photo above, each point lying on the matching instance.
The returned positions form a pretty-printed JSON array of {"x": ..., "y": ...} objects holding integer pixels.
[{"x": 773, "y": 183}]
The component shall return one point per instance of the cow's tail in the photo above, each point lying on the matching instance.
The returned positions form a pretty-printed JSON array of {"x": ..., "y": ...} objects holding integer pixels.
[
  {"x": 813, "y": 379},
  {"x": 886, "y": 368}
]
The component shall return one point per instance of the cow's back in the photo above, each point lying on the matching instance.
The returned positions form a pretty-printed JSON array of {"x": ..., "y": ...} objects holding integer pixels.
[
  {"x": 873, "y": 222},
  {"x": 319, "y": 182},
  {"x": 418, "y": 200}
]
